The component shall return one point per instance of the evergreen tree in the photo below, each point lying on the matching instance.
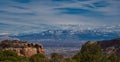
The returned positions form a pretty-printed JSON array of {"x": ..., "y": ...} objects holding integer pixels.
[
  {"x": 38, "y": 58},
  {"x": 11, "y": 56},
  {"x": 90, "y": 52},
  {"x": 114, "y": 58},
  {"x": 55, "y": 57}
]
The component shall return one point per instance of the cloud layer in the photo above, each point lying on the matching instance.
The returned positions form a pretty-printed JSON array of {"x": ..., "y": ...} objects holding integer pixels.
[{"x": 15, "y": 14}]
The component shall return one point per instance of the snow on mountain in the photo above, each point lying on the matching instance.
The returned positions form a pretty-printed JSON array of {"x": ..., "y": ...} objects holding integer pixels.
[
  {"x": 81, "y": 32},
  {"x": 74, "y": 31}
]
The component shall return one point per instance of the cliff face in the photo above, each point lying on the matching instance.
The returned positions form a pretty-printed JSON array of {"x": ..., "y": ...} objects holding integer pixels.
[
  {"x": 21, "y": 48},
  {"x": 110, "y": 46}
]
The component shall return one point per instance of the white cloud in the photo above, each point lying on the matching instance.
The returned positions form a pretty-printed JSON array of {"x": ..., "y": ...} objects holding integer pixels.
[{"x": 45, "y": 13}]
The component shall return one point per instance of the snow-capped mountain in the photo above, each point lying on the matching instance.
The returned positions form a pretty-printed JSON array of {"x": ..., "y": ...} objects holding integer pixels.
[
  {"x": 62, "y": 32},
  {"x": 61, "y": 38},
  {"x": 68, "y": 34}
]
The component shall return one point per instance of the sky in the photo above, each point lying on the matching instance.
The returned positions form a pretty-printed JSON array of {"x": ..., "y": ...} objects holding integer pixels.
[{"x": 26, "y": 15}]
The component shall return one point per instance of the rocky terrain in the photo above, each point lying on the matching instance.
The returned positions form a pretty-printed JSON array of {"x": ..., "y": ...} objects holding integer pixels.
[
  {"x": 110, "y": 46},
  {"x": 28, "y": 49},
  {"x": 21, "y": 48}
]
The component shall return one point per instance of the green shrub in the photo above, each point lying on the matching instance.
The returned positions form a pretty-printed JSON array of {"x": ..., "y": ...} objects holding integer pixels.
[
  {"x": 90, "y": 53},
  {"x": 55, "y": 57},
  {"x": 38, "y": 58},
  {"x": 11, "y": 56}
]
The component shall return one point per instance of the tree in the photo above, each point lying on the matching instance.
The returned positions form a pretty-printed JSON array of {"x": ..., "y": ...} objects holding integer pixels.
[
  {"x": 70, "y": 60},
  {"x": 11, "y": 56},
  {"x": 55, "y": 57},
  {"x": 38, "y": 58},
  {"x": 90, "y": 52},
  {"x": 114, "y": 58}
]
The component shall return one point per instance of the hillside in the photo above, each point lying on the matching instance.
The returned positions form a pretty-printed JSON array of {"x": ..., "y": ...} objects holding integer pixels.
[{"x": 110, "y": 46}]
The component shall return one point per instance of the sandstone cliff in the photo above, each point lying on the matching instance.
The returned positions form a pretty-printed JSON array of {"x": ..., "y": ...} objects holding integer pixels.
[{"x": 21, "y": 48}]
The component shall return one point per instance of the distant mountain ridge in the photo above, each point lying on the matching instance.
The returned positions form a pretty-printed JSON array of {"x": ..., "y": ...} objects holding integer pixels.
[
  {"x": 89, "y": 34},
  {"x": 65, "y": 35},
  {"x": 76, "y": 27}
]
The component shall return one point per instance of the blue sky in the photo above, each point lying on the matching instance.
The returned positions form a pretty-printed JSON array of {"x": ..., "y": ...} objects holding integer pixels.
[{"x": 28, "y": 14}]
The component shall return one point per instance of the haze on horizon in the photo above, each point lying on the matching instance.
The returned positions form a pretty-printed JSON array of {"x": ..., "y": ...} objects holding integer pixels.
[{"x": 18, "y": 15}]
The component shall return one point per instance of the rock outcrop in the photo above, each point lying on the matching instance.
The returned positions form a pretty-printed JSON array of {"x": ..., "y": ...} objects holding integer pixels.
[
  {"x": 22, "y": 48},
  {"x": 110, "y": 46}
]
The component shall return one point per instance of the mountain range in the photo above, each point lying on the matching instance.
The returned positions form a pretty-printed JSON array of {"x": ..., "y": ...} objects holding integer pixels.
[
  {"x": 65, "y": 39},
  {"x": 71, "y": 34}
]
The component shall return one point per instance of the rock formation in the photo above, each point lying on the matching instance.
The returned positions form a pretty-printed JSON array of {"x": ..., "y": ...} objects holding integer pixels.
[
  {"x": 21, "y": 48},
  {"x": 110, "y": 46}
]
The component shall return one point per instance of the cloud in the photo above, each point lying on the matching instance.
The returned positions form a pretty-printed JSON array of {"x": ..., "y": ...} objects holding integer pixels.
[
  {"x": 19, "y": 7},
  {"x": 13, "y": 13},
  {"x": 32, "y": 13},
  {"x": 62, "y": 0},
  {"x": 83, "y": 0},
  {"x": 78, "y": 11},
  {"x": 101, "y": 4},
  {"x": 22, "y": 1}
]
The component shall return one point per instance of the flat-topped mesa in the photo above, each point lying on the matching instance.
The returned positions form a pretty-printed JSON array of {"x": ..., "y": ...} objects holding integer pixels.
[{"x": 22, "y": 48}]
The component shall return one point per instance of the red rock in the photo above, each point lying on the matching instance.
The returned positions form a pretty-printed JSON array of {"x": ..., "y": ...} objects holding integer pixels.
[{"x": 22, "y": 48}]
